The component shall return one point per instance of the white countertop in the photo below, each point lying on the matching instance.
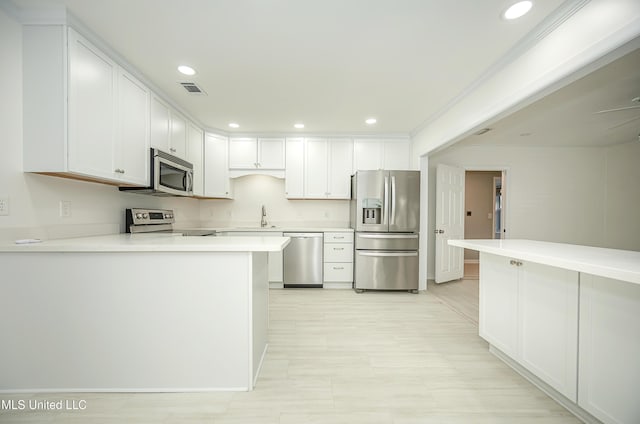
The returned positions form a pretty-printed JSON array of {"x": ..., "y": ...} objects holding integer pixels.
[
  {"x": 284, "y": 229},
  {"x": 611, "y": 263},
  {"x": 152, "y": 243}
]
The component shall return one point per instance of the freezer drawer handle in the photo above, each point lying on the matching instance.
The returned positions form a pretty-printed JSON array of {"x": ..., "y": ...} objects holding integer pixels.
[
  {"x": 388, "y": 236},
  {"x": 338, "y": 268},
  {"x": 414, "y": 253},
  {"x": 338, "y": 248}
]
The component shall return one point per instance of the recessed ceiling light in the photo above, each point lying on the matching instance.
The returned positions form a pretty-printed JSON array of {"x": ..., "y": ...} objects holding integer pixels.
[
  {"x": 299, "y": 126},
  {"x": 371, "y": 121},
  {"x": 186, "y": 70},
  {"x": 234, "y": 125},
  {"x": 517, "y": 10}
]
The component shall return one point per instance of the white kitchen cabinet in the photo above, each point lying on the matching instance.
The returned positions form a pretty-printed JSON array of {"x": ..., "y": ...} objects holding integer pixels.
[
  {"x": 316, "y": 168},
  {"x": 374, "y": 154},
  {"x": 530, "y": 312},
  {"x": 294, "y": 170},
  {"x": 276, "y": 265},
  {"x": 216, "y": 167},
  {"x": 338, "y": 260},
  {"x": 548, "y": 325},
  {"x": 92, "y": 108},
  {"x": 131, "y": 152},
  {"x": 84, "y": 116},
  {"x": 498, "y": 303},
  {"x": 195, "y": 155},
  {"x": 609, "y": 372},
  {"x": 260, "y": 153},
  {"x": 328, "y": 166},
  {"x": 168, "y": 129},
  {"x": 340, "y": 168}
]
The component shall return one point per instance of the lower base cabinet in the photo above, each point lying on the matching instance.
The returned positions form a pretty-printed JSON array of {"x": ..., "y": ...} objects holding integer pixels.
[
  {"x": 338, "y": 260},
  {"x": 609, "y": 370},
  {"x": 578, "y": 333},
  {"x": 530, "y": 312}
]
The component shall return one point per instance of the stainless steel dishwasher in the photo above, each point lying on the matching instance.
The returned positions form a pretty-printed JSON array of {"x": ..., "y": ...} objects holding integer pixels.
[{"x": 303, "y": 260}]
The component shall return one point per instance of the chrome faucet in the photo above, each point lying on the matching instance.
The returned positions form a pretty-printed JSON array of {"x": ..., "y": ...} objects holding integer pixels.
[{"x": 263, "y": 220}]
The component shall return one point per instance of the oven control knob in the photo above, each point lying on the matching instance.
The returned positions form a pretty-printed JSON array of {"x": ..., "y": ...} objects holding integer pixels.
[
  {"x": 139, "y": 215},
  {"x": 145, "y": 215},
  {"x": 168, "y": 216}
]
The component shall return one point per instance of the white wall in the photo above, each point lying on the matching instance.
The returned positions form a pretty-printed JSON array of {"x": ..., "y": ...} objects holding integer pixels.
[
  {"x": 251, "y": 192},
  {"x": 552, "y": 194},
  {"x": 34, "y": 199},
  {"x": 621, "y": 198}
]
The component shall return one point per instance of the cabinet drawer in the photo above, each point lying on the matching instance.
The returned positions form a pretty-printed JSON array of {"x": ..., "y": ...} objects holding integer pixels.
[
  {"x": 338, "y": 237},
  {"x": 338, "y": 272},
  {"x": 338, "y": 252}
]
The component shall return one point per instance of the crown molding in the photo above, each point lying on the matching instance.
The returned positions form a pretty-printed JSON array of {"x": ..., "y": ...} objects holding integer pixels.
[{"x": 526, "y": 43}]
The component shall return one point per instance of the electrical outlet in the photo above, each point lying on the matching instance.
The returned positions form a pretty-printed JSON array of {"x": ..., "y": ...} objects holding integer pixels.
[
  {"x": 65, "y": 209},
  {"x": 4, "y": 205}
]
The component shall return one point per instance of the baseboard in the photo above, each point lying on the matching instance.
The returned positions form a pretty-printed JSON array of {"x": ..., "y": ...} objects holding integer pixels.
[{"x": 568, "y": 404}]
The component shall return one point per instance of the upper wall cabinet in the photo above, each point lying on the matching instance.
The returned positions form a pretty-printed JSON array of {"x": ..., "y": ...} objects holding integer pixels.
[
  {"x": 168, "y": 129},
  {"x": 373, "y": 154},
  {"x": 257, "y": 154},
  {"x": 84, "y": 116},
  {"x": 195, "y": 140},
  {"x": 328, "y": 167},
  {"x": 216, "y": 167},
  {"x": 319, "y": 168}
]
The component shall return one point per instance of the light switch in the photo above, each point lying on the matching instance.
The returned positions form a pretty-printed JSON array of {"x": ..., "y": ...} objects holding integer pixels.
[{"x": 4, "y": 205}]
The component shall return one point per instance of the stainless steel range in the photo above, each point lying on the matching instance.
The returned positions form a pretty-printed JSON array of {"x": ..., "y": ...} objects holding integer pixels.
[{"x": 139, "y": 220}]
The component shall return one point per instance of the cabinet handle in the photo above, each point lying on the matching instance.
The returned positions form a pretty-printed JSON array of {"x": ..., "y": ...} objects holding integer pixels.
[
  {"x": 338, "y": 237},
  {"x": 338, "y": 248},
  {"x": 514, "y": 262},
  {"x": 119, "y": 171},
  {"x": 172, "y": 150},
  {"x": 337, "y": 268}
]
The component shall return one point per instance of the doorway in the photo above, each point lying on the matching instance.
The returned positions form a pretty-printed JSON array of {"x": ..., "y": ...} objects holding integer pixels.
[{"x": 484, "y": 211}]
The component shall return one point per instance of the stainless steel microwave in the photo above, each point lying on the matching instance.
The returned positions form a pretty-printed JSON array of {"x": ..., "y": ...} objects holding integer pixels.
[{"x": 170, "y": 176}]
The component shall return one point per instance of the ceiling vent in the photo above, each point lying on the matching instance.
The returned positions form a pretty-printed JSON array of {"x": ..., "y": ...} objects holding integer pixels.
[
  {"x": 192, "y": 88},
  {"x": 482, "y": 131}
]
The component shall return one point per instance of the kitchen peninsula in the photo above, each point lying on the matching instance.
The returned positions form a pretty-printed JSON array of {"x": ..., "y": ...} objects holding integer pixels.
[
  {"x": 567, "y": 317},
  {"x": 157, "y": 312}
]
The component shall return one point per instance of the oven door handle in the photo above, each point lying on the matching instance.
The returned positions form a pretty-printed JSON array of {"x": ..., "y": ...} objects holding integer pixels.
[{"x": 387, "y": 254}]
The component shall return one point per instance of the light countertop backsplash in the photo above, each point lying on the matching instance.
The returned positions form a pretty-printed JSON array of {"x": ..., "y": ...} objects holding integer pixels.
[{"x": 253, "y": 191}]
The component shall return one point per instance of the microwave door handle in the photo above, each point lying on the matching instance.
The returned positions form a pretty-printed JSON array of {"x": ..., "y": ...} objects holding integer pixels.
[{"x": 189, "y": 178}]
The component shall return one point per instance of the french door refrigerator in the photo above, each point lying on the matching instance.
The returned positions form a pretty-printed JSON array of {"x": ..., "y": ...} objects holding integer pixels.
[{"x": 385, "y": 215}]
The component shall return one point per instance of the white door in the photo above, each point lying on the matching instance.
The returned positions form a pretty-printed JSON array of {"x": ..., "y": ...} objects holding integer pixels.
[{"x": 449, "y": 222}]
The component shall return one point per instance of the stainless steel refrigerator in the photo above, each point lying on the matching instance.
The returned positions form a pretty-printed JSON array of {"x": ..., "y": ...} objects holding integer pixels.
[{"x": 385, "y": 214}]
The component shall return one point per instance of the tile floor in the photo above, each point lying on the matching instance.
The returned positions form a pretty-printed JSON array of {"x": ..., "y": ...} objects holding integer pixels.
[{"x": 339, "y": 357}]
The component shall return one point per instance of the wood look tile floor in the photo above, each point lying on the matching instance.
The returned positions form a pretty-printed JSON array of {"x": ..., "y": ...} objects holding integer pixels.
[{"x": 339, "y": 357}]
